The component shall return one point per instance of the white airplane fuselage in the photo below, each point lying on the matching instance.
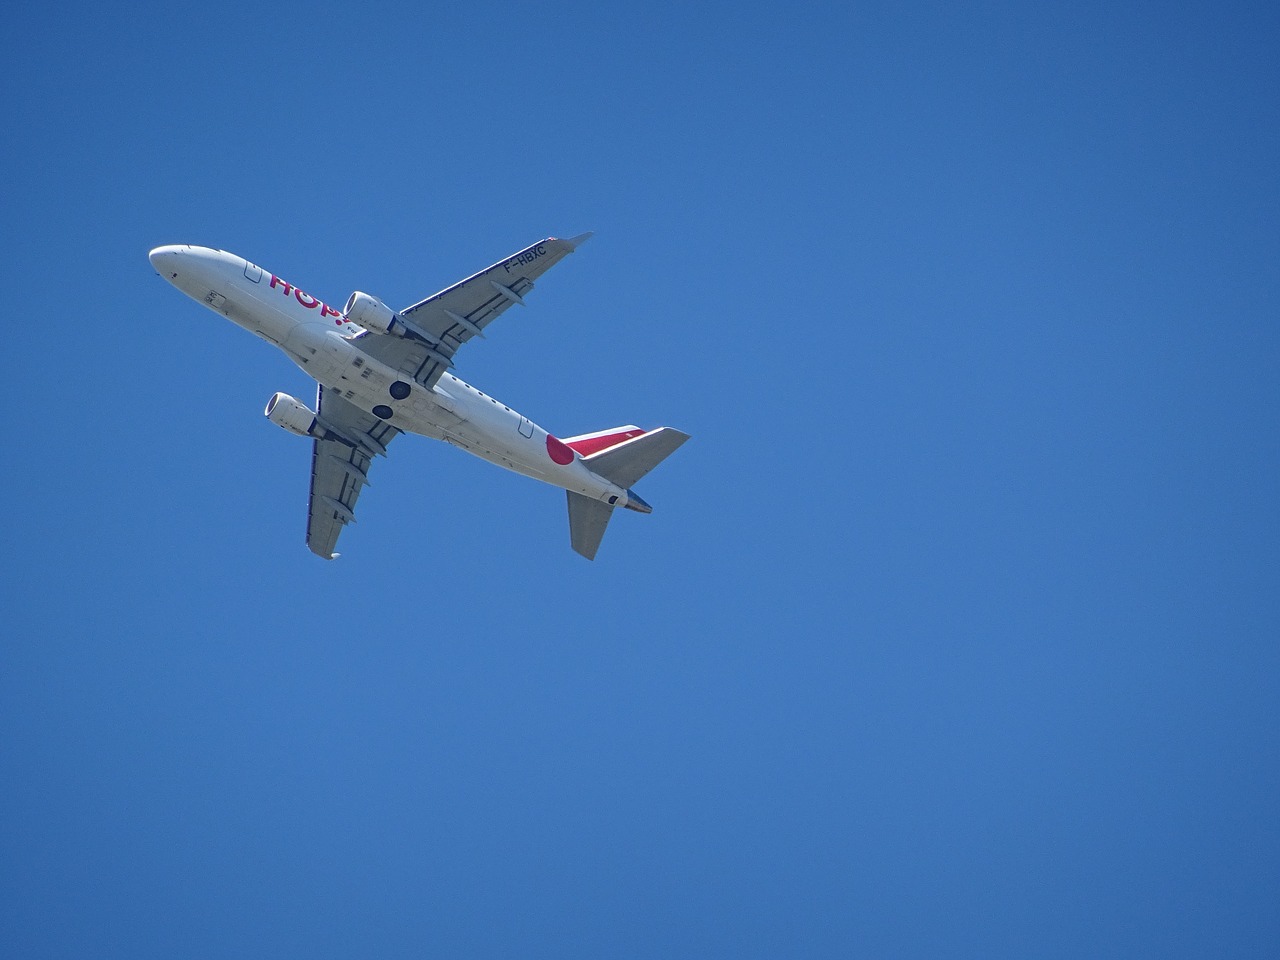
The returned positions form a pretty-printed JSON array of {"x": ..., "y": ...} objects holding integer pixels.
[{"x": 327, "y": 347}]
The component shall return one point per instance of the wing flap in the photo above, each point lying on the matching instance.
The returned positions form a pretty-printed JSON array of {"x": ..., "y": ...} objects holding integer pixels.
[
  {"x": 458, "y": 313},
  {"x": 340, "y": 468}
]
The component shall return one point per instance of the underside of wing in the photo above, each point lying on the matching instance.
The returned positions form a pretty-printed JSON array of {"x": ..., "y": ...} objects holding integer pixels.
[
  {"x": 340, "y": 468},
  {"x": 443, "y": 322}
]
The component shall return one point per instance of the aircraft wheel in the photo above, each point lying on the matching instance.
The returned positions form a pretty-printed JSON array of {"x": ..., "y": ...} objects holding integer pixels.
[
  {"x": 382, "y": 412},
  {"x": 399, "y": 390}
]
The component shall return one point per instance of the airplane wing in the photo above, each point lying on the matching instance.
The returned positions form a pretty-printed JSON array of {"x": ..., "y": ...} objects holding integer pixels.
[
  {"x": 455, "y": 315},
  {"x": 340, "y": 468}
]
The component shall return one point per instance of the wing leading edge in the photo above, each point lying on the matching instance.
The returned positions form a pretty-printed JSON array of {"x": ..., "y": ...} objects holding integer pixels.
[{"x": 456, "y": 314}]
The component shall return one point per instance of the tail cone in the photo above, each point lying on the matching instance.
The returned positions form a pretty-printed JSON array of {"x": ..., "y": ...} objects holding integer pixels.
[{"x": 635, "y": 503}]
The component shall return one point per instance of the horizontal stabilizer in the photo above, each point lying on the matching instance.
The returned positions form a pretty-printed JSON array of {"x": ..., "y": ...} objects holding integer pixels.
[
  {"x": 625, "y": 463},
  {"x": 587, "y": 521}
]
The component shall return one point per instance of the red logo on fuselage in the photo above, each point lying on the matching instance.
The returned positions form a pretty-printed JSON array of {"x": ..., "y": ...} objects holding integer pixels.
[
  {"x": 307, "y": 300},
  {"x": 558, "y": 452}
]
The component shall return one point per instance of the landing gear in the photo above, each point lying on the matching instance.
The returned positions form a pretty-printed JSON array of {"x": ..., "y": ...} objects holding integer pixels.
[
  {"x": 382, "y": 412},
  {"x": 399, "y": 390}
]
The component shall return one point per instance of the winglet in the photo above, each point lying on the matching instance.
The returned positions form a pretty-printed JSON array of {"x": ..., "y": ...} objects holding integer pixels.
[{"x": 575, "y": 242}]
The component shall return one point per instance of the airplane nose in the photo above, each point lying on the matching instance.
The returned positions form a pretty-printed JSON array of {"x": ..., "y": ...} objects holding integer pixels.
[{"x": 163, "y": 259}]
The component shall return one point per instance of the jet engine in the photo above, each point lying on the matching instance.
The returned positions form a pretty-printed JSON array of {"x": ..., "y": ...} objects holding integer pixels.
[
  {"x": 292, "y": 414},
  {"x": 372, "y": 314}
]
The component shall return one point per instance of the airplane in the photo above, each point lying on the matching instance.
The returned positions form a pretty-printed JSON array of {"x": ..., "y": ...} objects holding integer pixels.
[{"x": 383, "y": 372}]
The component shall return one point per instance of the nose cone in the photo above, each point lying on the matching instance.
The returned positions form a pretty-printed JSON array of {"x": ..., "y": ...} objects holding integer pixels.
[{"x": 164, "y": 260}]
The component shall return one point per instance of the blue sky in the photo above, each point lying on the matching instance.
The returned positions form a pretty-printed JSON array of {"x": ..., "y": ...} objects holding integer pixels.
[{"x": 954, "y": 630}]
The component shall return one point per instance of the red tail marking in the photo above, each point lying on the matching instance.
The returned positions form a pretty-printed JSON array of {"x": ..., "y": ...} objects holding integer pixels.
[{"x": 595, "y": 444}]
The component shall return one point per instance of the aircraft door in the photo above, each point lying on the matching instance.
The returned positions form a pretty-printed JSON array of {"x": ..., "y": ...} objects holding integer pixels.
[
  {"x": 526, "y": 427},
  {"x": 252, "y": 272}
]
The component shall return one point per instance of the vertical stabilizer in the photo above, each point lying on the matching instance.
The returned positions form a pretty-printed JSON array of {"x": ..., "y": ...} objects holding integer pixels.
[
  {"x": 628, "y": 461},
  {"x": 587, "y": 521}
]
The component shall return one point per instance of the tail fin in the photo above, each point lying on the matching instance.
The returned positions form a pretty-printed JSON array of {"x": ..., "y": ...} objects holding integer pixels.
[
  {"x": 626, "y": 462},
  {"x": 624, "y": 456},
  {"x": 590, "y": 443}
]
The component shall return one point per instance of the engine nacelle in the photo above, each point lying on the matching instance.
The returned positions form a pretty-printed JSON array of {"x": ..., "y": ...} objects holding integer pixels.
[
  {"x": 372, "y": 314},
  {"x": 292, "y": 414}
]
